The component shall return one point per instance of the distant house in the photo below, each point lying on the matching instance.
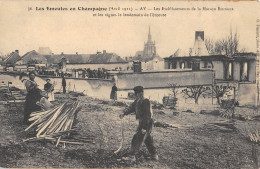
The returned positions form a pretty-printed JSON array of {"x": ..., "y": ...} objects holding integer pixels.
[
  {"x": 9, "y": 62},
  {"x": 71, "y": 58},
  {"x": 104, "y": 58},
  {"x": 12, "y": 58},
  {"x": 83, "y": 61},
  {"x": 32, "y": 58},
  {"x": 151, "y": 63},
  {"x": 109, "y": 61},
  {"x": 53, "y": 59}
]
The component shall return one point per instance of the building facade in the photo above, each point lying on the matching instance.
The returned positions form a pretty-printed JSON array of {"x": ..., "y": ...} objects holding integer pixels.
[{"x": 238, "y": 70}]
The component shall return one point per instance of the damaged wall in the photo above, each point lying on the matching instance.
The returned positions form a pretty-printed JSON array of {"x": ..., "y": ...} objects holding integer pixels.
[{"x": 164, "y": 78}]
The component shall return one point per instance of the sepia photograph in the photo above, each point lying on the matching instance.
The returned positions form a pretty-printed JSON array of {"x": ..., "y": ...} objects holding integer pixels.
[{"x": 129, "y": 84}]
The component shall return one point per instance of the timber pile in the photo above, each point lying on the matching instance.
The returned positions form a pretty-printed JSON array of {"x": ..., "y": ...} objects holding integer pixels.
[
  {"x": 56, "y": 124},
  {"x": 225, "y": 126}
]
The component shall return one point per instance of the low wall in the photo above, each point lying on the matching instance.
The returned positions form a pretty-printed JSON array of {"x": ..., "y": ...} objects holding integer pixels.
[
  {"x": 155, "y": 86},
  {"x": 92, "y": 87},
  {"x": 162, "y": 79},
  {"x": 247, "y": 94}
]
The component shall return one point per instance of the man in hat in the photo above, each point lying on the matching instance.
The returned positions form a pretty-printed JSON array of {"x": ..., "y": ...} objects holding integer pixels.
[
  {"x": 143, "y": 112},
  {"x": 49, "y": 88}
]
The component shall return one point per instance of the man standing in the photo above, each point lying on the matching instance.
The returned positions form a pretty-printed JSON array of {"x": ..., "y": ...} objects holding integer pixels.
[
  {"x": 64, "y": 84},
  {"x": 143, "y": 112}
]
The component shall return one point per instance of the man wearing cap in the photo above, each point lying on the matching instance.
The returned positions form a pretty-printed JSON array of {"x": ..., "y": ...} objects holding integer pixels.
[{"x": 142, "y": 108}]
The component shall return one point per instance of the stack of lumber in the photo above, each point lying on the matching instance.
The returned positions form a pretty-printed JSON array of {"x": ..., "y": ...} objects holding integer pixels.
[
  {"x": 55, "y": 124},
  {"x": 224, "y": 126}
]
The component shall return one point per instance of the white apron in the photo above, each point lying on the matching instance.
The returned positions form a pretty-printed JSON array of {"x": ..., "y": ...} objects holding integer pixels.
[{"x": 51, "y": 96}]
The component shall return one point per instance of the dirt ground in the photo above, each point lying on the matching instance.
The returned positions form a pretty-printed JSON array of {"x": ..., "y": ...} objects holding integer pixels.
[{"x": 196, "y": 140}]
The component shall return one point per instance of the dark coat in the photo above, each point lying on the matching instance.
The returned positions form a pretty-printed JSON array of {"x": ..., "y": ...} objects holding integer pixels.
[
  {"x": 33, "y": 95},
  {"x": 113, "y": 94},
  {"x": 47, "y": 87},
  {"x": 63, "y": 81},
  {"x": 143, "y": 112}
]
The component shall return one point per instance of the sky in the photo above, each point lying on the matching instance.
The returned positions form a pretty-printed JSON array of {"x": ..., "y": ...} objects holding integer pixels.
[{"x": 80, "y": 31}]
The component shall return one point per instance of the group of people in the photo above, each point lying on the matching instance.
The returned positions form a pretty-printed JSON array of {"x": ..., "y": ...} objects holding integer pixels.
[
  {"x": 84, "y": 73},
  {"x": 141, "y": 107},
  {"x": 49, "y": 73},
  {"x": 96, "y": 73}
]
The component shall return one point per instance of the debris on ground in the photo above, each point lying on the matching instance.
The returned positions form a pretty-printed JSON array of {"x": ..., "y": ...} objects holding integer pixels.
[
  {"x": 172, "y": 108},
  {"x": 188, "y": 111},
  {"x": 254, "y": 136},
  {"x": 76, "y": 94},
  {"x": 104, "y": 102},
  {"x": 158, "y": 106},
  {"x": 257, "y": 118},
  {"x": 197, "y": 137},
  {"x": 175, "y": 113},
  {"x": 117, "y": 103},
  {"x": 222, "y": 126},
  {"x": 243, "y": 117},
  {"x": 170, "y": 101},
  {"x": 210, "y": 112},
  {"x": 94, "y": 108},
  {"x": 163, "y": 125},
  {"x": 159, "y": 112}
]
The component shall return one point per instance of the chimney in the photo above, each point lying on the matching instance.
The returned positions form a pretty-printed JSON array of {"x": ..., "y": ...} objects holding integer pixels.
[
  {"x": 76, "y": 53},
  {"x": 104, "y": 51},
  {"x": 62, "y": 53},
  {"x": 199, "y": 34},
  {"x": 199, "y": 48},
  {"x": 17, "y": 51}
]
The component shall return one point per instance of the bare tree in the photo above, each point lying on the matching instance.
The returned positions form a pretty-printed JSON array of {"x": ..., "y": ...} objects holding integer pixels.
[
  {"x": 210, "y": 45},
  {"x": 194, "y": 92},
  {"x": 174, "y": 90},
  {"x": 219, "y": 91},
  {"x": 227, "y": 46}
]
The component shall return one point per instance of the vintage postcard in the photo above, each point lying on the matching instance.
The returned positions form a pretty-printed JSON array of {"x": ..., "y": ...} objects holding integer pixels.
[{"x": 129, "y": 84}]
